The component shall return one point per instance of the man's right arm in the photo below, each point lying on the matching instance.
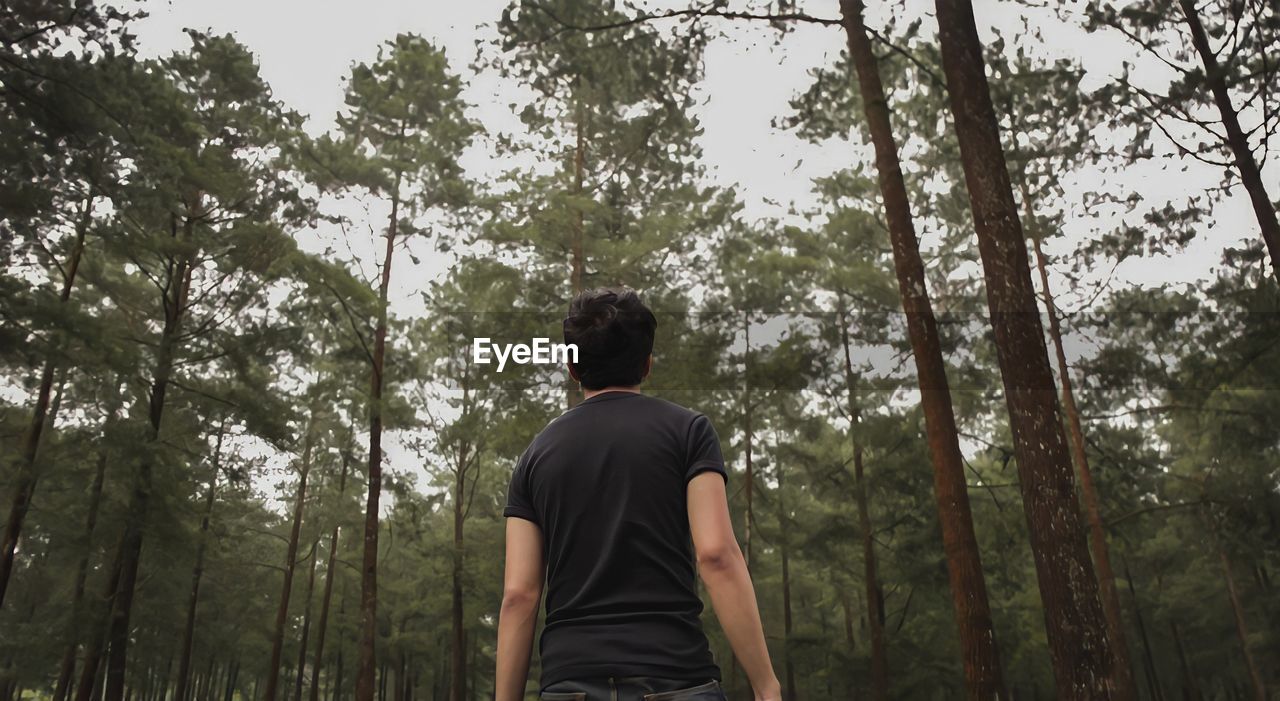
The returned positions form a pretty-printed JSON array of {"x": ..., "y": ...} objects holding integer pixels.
[{"x": 724, "y": 571}]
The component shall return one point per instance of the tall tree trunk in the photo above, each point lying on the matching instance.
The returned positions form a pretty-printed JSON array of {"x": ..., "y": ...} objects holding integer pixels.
[
  {"x": 1074, "y": 621},
  {"x": 1190, "y": 690},
  {"x": 577, "y": 250},
  {"x": 337, "y": 682},
  {"x": 206, "y": 681},
  {"x": 875, "y": 601},
  {"x": 875, "y": 604},
  {"x": 229, "y": 691},
  {"x": 1125, "y": 687},
  {"x": 748, "y": 480},
  {"x": 322, "y": 626},
  {"x": 26, "y": 475},
  {"x": 783, "y": 529},
  {"x": 983, "y": 679},
  {"x": 1246, "y": 165},
  {"x": 402, "y": 678},
  {"x": 1149, "y": 665},
  {"x": 179, "y": 284},
  {"x": 286, "y": 589},
  {"x": 306, "y": 624},
  {"x": 366, "y": 669},
  {"x": 457, "y": 653},
  {"x": 62, "y": 688},
  {"x": 1242, "y": 629},
  {"x": 90, "y": 683},
  {"x": 848, "y": 620},
  {"x": 163, "y": 691},
  {"x": 197, "y": 571},
  {"x": 475, "y": 650},
  {"x": 99, "y": 683}
]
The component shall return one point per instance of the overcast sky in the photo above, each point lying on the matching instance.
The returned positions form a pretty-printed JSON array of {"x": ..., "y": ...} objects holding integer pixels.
[{"x": 305, "y": 49}]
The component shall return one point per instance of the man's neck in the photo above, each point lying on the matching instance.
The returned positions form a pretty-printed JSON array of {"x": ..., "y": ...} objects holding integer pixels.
[{"x": 589, "y": 393}]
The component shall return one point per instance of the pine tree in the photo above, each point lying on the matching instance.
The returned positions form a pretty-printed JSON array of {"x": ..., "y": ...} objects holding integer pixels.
[{"x": 399, "y": 140}]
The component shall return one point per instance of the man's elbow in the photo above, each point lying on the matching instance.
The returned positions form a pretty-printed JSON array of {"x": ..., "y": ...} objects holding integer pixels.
[
  {"x": 720, "y": 560},
  {"x": 520, "y": 598}
]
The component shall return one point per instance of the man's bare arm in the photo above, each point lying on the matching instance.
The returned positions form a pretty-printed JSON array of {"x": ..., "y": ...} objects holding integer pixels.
[
  {"x": 521, "y": 593},
  {"x": 724, "y": 571}
]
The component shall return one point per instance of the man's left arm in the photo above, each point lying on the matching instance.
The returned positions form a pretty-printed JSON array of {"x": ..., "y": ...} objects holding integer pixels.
[{"x": 521, "y": 594}]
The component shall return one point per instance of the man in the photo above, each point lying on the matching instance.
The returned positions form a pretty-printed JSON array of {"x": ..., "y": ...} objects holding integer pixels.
[{"x": 617, "y": 497}]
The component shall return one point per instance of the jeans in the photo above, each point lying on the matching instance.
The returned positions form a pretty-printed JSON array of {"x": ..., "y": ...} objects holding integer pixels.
[{"x": 633, "y": 689}]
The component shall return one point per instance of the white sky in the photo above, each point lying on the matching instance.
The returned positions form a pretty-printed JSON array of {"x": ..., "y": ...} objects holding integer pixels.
[{"x": 306, "y": 47}]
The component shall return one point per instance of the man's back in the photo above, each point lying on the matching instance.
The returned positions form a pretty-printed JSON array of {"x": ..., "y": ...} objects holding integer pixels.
[{"x": 606, "y": 484}]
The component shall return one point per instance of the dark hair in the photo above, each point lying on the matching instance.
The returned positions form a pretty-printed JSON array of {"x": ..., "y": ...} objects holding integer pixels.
[{"x": 613, "y": 331}]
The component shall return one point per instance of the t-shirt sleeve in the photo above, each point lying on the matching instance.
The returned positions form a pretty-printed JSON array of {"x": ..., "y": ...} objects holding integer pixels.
[
  {"x": 519, "y": 498},
  {"x": 704, "y": 450}
]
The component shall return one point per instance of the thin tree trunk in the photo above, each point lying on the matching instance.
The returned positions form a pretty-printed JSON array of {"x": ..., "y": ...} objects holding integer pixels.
[
  {"x": 366, "y": 670},
  {"x": 875, "y": 603},
  {"x": 1149, "y": 665},
  {"x": 25, "y": 480},
  {"x": 983, "y": 679},
  {"x": 99, "y": 683},
  {"x": 131, "y": 552},
  {"x": 62, "y": 688},
  {"x": 789, "y": 666},
  {"x": 1246, "y": 165},
  {"x": 1190, "y": 690},
  {"x": 1242, "y": 629},
  {"x": 131, "y": 686},
  {"x": 164, "y": 680},
  {"x": 322, "y": 626},
  {"x": 748, "y": 482},
  {"x": 228, "y": 693},
  {"x": 848, "y": 620},
  {"x": 401, "y": 673},
  {"x": 197, "y": 571},
  {"x": 337, "y": 683},
  {"x": 474, "y": 647},
  {"x": 90, "y": 683},
  {"x": 577, "y": 252},
  {"x": 1076, "y": 627},
  {"x": 577, "y": 262},
  {"x": 206, "y": 682},
  {"x": 457, "y": 658},
  {"x": 306, "y": 624},
  {"x": 1125, "y": 687},
  {"x": 282, "y": 612}
]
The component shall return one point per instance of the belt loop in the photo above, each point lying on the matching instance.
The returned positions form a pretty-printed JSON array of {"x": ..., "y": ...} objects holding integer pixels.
[{"x": 613, "y": 690}]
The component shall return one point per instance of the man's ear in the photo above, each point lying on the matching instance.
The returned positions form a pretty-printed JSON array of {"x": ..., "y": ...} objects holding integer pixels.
[
  {"x": 648, "y": 366},
  {"x": 573, "y": 373}
]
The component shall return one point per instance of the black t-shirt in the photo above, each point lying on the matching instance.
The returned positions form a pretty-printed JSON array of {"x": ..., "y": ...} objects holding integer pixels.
[{"x": 606, "y": 483}]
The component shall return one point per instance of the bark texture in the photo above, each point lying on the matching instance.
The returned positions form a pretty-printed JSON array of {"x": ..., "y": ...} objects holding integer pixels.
[
  {"x": 1076, "y": 627},
  {"x": 983, "y": 679},
  {"x": 366, "y": 671},
  {"x": 1125, "y": 687}
]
